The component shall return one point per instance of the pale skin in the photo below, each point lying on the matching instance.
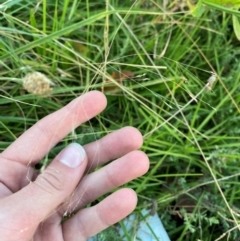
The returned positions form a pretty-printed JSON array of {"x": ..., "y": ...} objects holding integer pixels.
[{"x": 32, "y": 205}]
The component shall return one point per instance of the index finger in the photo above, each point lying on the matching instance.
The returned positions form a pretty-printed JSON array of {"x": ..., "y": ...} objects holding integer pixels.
[{"x": 37, "y": 141}]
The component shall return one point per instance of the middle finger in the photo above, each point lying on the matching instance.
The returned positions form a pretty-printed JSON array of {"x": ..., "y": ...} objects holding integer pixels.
[{"x": 112, "y": 146}]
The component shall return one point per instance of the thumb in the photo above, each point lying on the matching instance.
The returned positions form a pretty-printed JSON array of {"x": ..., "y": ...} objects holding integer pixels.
[
  {"x": 58, "y": 180},
  {"x": 39, "y": 199}
]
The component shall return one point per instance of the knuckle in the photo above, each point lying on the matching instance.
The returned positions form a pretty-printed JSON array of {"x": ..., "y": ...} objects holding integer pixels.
[
  {"x": 112, "y": 179},
  {"x": 51, "y": 181},
  {"x": 83, "y": 230}
]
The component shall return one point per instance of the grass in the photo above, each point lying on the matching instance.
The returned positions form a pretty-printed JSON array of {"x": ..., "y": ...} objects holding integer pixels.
[{"x": 192, "y": 142}]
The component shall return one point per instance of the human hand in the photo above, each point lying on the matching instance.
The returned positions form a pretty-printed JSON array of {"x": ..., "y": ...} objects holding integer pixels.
[{"x": 34, "y": 210}]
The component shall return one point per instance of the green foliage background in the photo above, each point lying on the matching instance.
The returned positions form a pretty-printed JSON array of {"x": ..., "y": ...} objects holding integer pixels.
[{"x": 190, "y": 135}]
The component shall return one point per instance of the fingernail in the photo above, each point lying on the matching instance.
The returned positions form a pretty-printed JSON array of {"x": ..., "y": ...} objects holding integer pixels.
[{"x": 72, "y": 156}]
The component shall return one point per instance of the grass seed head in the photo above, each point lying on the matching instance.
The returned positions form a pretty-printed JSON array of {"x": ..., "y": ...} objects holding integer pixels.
[
  {"x": 37, "y": 83},
  {"x": 211, "y": 81}
]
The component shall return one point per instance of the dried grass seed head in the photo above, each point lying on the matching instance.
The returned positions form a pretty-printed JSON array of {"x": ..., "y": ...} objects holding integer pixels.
[
  {"x": 37, "y": 83},
  {"x": 211, "y": 81}
]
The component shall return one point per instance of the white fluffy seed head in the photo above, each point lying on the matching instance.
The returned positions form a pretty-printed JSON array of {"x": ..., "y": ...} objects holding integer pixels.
[
  {"x": 211, "y": 81},
  {"x": 37, "y": 83}
]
